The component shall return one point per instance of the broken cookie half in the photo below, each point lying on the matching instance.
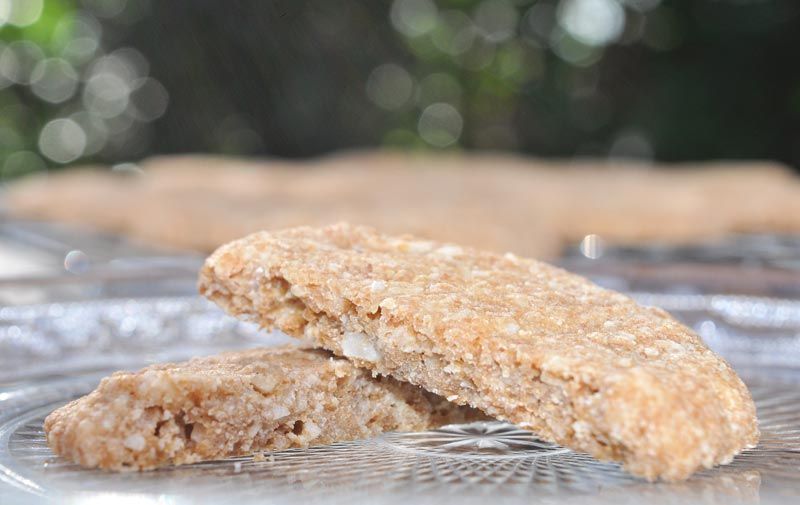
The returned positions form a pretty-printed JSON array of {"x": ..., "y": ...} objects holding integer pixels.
[
  {"x": 519, "y": 339},
  {"x": 236, "y": 404}
]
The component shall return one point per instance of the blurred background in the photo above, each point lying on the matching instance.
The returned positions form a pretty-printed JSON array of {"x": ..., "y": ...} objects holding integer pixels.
[{"x": 117, "y": 80}]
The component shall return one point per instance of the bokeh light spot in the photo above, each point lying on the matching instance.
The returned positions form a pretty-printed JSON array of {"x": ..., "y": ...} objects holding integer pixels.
[
  {"x": 5, "y": 11},
  {"x": 389, "y": 86},
  {"x": 454, "y": 33},
  {"x": 117, "y": 64},
  {"x": 539, "y": 21},
  {"x": 82, "y": 38},
  {"x": 572, "y": 50},
  {"x": 8, "y": 66},
  {"x": 18, "y": 60},
  {"x": 54, "y": 80},
  {"x": 440, "y": 125},
  {"x": 135, "y": 62},
  {"x": 95, "y": 129},
  {"x": 106, "y": 95},
  {"x": 413, "y": 17},
  {"x": 593, "y": 22},
  {"x": 62, "y": 140},
  {"x": 21, "y": 13},
  {"x": 149, "y": 99}
]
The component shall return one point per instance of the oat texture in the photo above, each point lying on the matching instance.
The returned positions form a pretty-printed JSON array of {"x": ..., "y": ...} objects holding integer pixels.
[
  {"x": 519, "y": 339},
  {"x": 236, "y": 404}
]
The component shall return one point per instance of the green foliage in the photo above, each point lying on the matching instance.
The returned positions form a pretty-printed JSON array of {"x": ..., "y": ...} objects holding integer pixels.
[
  {"x": 22, "y": 114},
  {"x": 669, "y": 79}
]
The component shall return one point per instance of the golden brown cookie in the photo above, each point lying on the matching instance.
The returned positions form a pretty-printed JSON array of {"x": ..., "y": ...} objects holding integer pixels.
[
  {"x": 519, "y": 339},
  {"x": 236, "y": 404}
]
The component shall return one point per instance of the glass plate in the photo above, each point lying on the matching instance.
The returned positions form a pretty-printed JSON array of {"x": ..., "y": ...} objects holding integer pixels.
[{"x": 52, "y": 353}]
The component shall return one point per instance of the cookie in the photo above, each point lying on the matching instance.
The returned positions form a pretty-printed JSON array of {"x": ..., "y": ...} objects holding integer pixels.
[
  {"x": 521, "y": 340},
  {"x": 236, "y": 404},
  {"x": 496, "y": 202}
]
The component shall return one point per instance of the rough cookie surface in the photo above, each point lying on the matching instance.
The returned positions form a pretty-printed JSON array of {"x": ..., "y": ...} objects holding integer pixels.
[
  {"x": 236, "y": 404},
  {"x": 519, "y": 339}
]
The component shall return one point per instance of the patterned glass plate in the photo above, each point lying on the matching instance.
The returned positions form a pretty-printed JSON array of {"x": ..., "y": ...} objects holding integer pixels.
[{"x": 52, "y": 353}]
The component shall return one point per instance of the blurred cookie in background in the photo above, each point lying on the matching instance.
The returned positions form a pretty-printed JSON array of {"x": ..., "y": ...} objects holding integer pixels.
[{"x": 498, "y": 202}]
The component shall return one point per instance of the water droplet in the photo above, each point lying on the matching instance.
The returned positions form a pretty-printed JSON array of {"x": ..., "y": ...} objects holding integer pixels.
[
  {"x": 592, "y": 246},
  {"x": 77, "y": 262}
]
